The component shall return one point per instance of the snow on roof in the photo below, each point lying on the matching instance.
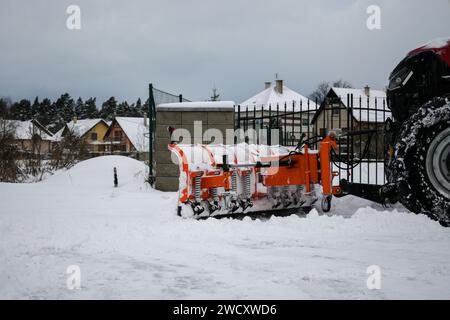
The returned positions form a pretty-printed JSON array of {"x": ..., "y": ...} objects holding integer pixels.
[
  {"x": 24, "y": 130},
  {"x": 81, "y": 127},
  {"x": 58, "y": 135},
  {"x": 375, "y": 101},
  {"x": 200, "y": 105},
  {"x": 271, "y": 97},
  {"x": 136, "y": 131}
]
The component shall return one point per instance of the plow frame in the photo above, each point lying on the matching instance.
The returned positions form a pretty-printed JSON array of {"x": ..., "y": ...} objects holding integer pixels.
[{"x": 301, "y": 168}]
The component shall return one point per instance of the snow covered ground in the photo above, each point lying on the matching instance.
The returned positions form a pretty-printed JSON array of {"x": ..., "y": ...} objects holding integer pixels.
[{"x": 129, "y": 243}]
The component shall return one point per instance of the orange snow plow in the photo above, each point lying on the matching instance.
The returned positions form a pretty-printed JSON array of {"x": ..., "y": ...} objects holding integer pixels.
[{"x": 241, "y": 179}]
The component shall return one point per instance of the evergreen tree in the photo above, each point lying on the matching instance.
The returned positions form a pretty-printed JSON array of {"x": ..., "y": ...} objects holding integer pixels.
[
  {"x": 144, "y": 108},
  {"x": 21, "y": 110},
  {"x": 90, "y": 109},
  {"x": 62, "y": 111},
  {"x": 138, "y": 108},
  {"x": 43, "y": 112},
  {"x": 4, "y": 108},
  {"x": 79, "y": 108},
  {"x": 123, "y": 110},
  {"x": 35, "y": 108},
  {"x": 109, "y": 109},
  {"x": 133, "y": 111}
]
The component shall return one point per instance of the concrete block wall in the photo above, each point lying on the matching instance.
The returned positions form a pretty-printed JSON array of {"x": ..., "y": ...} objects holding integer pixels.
[{"x": 167, "y": 173}]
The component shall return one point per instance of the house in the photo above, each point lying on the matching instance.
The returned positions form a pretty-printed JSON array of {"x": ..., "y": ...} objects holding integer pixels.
[
  {"x": 345, "y": 109},
  {"x": 91, "y": 130},
  {"x": 128, "y": 136},
  {"x": 280, "y": 106},
  {"x": 30, "y": 136}
]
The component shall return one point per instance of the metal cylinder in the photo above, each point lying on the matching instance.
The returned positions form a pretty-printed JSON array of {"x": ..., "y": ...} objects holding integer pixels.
[
  {"x": 214, "y": 194},
  {"x": 247, "y": 183},
  {"x": 198, "y": 188},
  {"x": 234, "y": 182}
]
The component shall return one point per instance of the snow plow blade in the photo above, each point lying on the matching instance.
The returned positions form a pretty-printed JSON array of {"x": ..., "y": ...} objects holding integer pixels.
[{"x": 233, "y": 181}]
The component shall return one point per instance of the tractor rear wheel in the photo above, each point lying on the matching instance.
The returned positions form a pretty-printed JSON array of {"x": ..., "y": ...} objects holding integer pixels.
[{"x": 421, "y": 163}]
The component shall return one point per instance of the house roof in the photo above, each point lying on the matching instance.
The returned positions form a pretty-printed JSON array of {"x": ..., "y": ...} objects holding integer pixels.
[
  {"x": 24, "y": 130},
  {"x": 361, "y": 101},
  {"x": 58, "y": 135},
  {"x": 136, "y": 131},
  {"x": 365, "y": 108},
  {"x": 271, "y": 97},
  {"x": 80, "y": 127}
]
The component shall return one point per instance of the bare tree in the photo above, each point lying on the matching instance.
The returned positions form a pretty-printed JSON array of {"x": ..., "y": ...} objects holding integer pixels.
[
  {"x": 215, "y": 95},
  {"x": 342, "y": 84},
  {"x": 9, "y": 152},
  {"x": 324, "y": 87},
  {"x": 67, "y": 152},
  {"x": 320, "y": 92},
  {"x": 34, "y": 164}
]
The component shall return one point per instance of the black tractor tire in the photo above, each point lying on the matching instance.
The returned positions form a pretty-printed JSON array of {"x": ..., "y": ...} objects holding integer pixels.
[{"x": 412, "y": 168}]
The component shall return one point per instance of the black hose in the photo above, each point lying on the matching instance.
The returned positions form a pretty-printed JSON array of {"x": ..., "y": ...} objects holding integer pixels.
[{"x": 354, "y": 164}]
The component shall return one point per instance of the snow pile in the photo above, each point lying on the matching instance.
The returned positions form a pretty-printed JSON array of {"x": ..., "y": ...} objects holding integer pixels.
[
  {"x": 129, "y": 243},
  {"x": 98, "y": 173}
]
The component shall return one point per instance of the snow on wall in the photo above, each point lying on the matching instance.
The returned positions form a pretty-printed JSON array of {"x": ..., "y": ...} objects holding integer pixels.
[{"x": 198, "y": 105}]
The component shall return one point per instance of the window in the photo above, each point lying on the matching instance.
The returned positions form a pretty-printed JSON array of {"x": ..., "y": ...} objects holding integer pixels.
[
  {"x": 305, "y": 122},
  {"x": 94, "y": 136},
  {"x": 335, "y": 112},
  {"x": 323, "y": 132}
]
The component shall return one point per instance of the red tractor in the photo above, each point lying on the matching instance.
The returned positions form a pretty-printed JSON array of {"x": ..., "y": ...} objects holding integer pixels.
[{"x": 417, "y": 139}]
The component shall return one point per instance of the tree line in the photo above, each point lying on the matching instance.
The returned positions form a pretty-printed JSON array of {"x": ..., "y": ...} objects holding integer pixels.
[{"x": 55, "y": 114}]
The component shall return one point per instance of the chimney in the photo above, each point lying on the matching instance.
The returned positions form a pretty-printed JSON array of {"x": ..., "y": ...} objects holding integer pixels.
[
  {"x": 74, "y": 120},
  {"x": 367, "y": 91},
  {"x": 279, "y": 86},
  {"x": 145, "y": 119},
  {"x": 267, "y": 84}
]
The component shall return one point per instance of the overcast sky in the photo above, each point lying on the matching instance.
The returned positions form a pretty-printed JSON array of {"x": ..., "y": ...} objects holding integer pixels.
[{"x": 187, "y": 46}]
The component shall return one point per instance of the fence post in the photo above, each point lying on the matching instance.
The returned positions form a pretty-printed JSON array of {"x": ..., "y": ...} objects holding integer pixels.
[
  {"x": 277, "y": 124},
  {"x": 237, "y": 124},
  {"x": 348, "y": 136},
  {"x": 351, "y": 130},
  {"x": 361, "y": 153},
  {"x": 152, "y": 116}
]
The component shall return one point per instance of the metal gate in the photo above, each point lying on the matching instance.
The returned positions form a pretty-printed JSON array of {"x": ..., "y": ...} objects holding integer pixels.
[{"x": 357, "y": 121}]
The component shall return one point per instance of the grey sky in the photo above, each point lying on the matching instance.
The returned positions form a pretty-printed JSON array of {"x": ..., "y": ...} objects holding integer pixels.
[{"x": 186, "y": 46}]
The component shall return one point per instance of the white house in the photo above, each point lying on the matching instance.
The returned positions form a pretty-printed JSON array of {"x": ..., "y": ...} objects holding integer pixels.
[{"x": 280, "y": 106}]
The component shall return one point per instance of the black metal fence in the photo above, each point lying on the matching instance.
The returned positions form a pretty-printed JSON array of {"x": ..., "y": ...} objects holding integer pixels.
[{"x": 358, "y": 122}]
